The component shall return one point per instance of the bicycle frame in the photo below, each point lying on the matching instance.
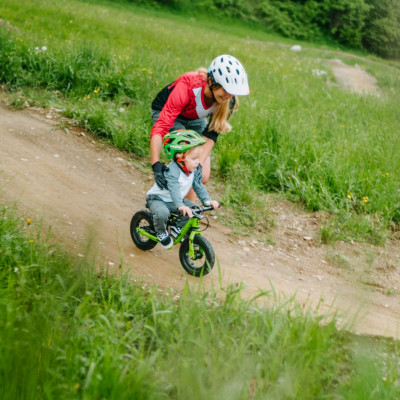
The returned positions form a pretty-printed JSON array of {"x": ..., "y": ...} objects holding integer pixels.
[
  {"x": 193, "y": 225},
  {"x": 196, "y": 253}
]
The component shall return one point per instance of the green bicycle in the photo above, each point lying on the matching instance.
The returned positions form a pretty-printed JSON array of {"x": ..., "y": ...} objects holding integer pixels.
[{"x": 195, "y": 253}]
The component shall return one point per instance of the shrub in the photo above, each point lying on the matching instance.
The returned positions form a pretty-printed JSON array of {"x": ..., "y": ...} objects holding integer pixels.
[{"x": 381, "y": 34}]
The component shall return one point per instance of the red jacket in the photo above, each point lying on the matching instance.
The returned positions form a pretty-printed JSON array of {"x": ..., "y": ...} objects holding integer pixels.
[{"x": 183, "y": 98}]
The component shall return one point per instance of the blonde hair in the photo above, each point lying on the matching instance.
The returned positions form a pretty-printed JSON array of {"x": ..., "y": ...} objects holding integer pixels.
[{"x": 219, "y": 118}]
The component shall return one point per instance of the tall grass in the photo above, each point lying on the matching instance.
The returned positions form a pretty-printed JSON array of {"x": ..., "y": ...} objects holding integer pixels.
[
  {"x": 297, "y": 132},
  {"x": 69, "y": 332}
]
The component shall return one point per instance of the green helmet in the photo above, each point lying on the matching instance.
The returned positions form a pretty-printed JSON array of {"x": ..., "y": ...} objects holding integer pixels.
[{"x": 181, "y": 141}]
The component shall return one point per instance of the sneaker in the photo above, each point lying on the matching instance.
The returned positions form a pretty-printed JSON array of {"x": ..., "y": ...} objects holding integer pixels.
[
  {"x": 175, "y": 230},
  {"x": 165, "y": 240}
]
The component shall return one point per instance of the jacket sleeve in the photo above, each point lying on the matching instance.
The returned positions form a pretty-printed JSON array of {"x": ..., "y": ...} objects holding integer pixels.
[
  {"x": 213, "y": 135},
  {"x": 177, "y": 100},
  {"x": 172, "y": 176},
  {"x": 199, "y": 188}
]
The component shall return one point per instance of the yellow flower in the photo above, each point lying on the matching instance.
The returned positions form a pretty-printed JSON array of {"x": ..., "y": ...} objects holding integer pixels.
[
  {"x": 28, "y": 221},
  {"x": 365, "y": 198},
  {"x": 31, "y": 241},
  {"x": 76, "y": 387}
]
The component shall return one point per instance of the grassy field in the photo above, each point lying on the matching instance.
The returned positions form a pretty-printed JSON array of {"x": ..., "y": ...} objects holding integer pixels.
[
  {"x": 103, "y": 62},
  {"x": 67, "y": 332}
]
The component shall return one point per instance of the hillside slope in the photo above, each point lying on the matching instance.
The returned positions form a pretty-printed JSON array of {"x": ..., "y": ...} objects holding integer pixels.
[{"x": 87, "y": 191}]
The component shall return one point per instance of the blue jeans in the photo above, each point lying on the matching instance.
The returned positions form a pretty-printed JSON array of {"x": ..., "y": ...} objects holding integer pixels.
[{"x": 161, "y": 211}]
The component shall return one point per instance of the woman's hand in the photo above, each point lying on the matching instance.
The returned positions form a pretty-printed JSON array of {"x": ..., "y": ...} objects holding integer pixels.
[{"x": 159, "y": 169}]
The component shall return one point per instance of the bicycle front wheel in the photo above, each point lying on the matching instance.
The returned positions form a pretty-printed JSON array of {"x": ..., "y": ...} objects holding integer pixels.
[{"x": 204, "y": 257}]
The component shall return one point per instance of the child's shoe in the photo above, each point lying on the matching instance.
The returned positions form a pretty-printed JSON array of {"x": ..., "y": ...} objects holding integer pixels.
[{"x": 165, "y": 240}]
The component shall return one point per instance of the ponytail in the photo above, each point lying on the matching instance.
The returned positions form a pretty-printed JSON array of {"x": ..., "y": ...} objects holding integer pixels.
[{"x": 219, "y": 118}]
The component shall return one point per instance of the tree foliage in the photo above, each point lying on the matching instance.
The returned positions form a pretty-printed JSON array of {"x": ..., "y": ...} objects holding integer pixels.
[
  {"x": 373, "y": 25},
  {"x": 382, "y": 33}
]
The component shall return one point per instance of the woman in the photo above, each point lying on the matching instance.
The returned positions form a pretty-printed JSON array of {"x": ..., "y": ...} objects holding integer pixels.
[{"x": 186, "y": 104}]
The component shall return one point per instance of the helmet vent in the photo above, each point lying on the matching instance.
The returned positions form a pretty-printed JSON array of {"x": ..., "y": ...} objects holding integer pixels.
[{"x": 229, "y": 73}]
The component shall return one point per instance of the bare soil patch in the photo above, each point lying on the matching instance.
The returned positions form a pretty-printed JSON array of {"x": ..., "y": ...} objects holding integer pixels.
[{"x": 355, "y": 78}]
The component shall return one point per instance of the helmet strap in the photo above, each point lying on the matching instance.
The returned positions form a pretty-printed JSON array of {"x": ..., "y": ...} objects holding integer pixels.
[
  {"x": 211, "y": 83},
  {"x": 212, "y": 93},
  {"x": 181, "y": 163}
]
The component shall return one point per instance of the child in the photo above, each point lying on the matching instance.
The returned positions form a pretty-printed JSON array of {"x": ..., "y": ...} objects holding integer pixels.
[{"x": 184, "y": 172}]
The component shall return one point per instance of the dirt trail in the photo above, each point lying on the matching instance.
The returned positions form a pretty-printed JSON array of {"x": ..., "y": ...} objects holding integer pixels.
[
  {"x": 82, "y": 188},
  {"x": 355, "y": 78}
]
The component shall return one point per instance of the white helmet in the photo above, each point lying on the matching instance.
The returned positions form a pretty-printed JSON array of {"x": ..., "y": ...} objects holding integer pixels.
[{"x": 228, "y": 72}]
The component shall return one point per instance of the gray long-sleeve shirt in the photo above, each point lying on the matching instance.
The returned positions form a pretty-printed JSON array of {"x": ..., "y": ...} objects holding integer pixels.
[{"x": 179, "y": 185}]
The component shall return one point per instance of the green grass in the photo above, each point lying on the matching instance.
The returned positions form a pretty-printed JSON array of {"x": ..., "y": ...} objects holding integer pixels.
[
  {"x": 69, "y": 332},
  {"x": 296, "y": 133}
]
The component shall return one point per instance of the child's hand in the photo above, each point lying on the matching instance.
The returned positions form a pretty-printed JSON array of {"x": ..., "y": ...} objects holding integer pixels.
[
  {"x": 214, "y": 203},
  {"x": 186, "y": 211}
]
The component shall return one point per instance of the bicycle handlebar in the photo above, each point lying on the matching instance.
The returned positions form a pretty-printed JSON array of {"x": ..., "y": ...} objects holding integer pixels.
[{"x": 197, "y": 210}]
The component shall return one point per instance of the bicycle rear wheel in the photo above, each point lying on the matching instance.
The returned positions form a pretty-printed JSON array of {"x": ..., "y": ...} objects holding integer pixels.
[
  {"x": 142, "y": 219},
  {"x": 204, "y": 257}
]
